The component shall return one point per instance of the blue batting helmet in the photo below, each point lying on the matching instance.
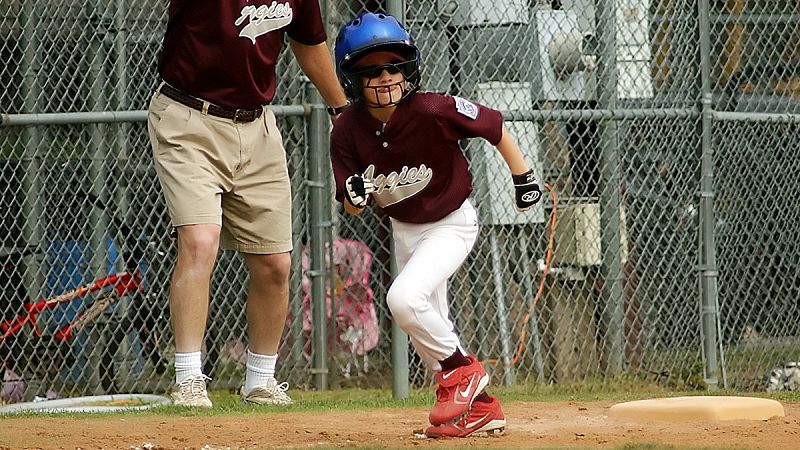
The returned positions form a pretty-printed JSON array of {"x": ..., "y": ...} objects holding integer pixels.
[{"x": 370, "y": 32}]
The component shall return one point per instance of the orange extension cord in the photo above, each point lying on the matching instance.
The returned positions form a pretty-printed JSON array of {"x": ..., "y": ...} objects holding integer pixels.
[{"x": 547, "y": 258}]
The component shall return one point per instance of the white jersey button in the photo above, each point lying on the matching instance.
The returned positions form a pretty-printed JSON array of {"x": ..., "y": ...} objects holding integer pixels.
[
  {"x": 385, "y": 144},
  {"x": 378, "y": 133}
]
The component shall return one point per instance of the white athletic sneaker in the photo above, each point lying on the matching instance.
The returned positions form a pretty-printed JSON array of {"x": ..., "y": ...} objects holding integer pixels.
[
  {"x": 192, "y": 392},
  {"x": 271, "y": 393}
]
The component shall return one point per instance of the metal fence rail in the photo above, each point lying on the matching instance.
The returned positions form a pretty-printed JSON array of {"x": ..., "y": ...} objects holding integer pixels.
[{"x": 667, "y": 130}]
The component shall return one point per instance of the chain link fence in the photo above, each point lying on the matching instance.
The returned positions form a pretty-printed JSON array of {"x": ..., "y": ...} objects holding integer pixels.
[{"x": 665, "y": 130}]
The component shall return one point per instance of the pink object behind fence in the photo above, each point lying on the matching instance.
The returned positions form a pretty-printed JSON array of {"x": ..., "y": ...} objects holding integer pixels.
[
  {"x": 357, "y": 323},
  {"x": 12, "y": 387}
]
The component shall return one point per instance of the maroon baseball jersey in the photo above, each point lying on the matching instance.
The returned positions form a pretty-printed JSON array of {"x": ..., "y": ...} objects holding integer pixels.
[
  {"x": 225, "y": 51},
  {"x": 414, "y": 160}
]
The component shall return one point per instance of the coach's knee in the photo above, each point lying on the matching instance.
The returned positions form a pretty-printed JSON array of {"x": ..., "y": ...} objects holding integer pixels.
[
  {"x": 270, "y": 269},
  {"x": 198, "y": 245}
]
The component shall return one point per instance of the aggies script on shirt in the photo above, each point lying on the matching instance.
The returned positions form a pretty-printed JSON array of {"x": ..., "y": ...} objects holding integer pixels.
[{"x": 225, "y": 51}]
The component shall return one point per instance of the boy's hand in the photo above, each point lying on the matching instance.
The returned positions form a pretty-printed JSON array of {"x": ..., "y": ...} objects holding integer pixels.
[
  {"x": 526, "y": 190},
  {"x": 357, "y": 190}
]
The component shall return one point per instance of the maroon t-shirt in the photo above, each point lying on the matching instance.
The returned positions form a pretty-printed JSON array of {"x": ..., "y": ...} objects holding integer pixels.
[
  {"x": 414, "y": 160},
  {"x": 225, "y": 51}
]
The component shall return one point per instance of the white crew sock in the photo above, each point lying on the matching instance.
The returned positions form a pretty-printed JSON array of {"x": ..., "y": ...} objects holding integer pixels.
[
  {"x": 259, "y": 369},
  {"x": 186, "y": 365}
]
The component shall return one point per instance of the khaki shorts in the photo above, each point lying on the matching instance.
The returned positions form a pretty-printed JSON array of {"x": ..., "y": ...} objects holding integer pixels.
[{"x": 216, "y": 171}]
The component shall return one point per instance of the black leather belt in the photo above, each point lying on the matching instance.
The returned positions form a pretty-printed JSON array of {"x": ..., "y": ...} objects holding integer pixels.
[{"x": 236, "y": 115}]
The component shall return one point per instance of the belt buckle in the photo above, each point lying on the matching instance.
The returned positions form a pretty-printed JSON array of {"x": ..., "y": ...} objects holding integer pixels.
[{"x": 236, "y": 115}]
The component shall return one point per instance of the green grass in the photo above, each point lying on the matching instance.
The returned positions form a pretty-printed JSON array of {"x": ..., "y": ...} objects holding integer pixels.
[{"x": 228, "y": 403}]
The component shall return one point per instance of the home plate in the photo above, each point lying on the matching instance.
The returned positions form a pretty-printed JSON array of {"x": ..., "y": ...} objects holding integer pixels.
[{"x": 699, "y": 408}]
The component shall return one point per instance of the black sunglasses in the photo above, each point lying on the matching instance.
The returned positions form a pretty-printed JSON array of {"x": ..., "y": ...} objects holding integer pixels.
[{"x": 376, "y": 71}]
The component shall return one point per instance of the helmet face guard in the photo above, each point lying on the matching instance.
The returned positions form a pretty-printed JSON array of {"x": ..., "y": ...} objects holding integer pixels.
[
  {"x": 371, "y": 32},
  {"x": 407, "y": 68}
]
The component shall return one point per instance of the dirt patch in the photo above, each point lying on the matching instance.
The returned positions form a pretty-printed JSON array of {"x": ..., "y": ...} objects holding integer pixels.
[{"x": 531, "y": 425}]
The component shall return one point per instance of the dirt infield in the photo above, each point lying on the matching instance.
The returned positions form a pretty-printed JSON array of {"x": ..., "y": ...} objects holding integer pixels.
[{"x": 531, "y": 425}]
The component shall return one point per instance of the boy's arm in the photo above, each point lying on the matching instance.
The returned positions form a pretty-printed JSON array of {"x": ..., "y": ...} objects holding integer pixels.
[
  {"x": 351, "y": 187},
  {"x": 352, "y": 210},
  {"x": 526, "y": 189},
  {"x": 511, "y": 153}
]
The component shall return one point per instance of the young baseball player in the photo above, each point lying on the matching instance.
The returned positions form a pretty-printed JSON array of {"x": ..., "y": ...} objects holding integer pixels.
[{"x": 399, "y": 148}]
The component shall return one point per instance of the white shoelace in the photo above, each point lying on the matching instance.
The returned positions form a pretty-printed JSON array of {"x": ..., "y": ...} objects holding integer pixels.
[
  {"x": 279, "y": 391},
  {"x": 195, "y": 386}
]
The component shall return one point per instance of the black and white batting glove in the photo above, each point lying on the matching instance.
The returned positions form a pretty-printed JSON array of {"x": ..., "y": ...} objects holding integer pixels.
[
  {"x": 526, "y": 190},
  {"x": 357, "y": 190}
]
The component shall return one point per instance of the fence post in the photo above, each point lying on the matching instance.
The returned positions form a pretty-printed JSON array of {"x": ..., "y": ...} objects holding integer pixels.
[
  {"x": 399, "y": 337},
  {"x": 610, "y": 224},
  {"x": 709, "y": 312},
  {"x": 32, "y": 217},
  {"x": 98, "y": 26},
  {"x": 316, "y": 155},
  {"x": 121, "y": 158}
]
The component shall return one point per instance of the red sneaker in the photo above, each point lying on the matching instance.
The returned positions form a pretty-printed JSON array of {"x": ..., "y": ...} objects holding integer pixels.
[
  {"x": 457, "y": 390},
  {"x": 484, "y": 418}
]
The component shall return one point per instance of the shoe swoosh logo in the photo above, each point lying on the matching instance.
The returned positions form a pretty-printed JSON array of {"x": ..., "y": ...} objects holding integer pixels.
[
  {"x": 448, "y": 374},
  {"x": 466, "y": 390},
  {"x": 476, "y": 422}
]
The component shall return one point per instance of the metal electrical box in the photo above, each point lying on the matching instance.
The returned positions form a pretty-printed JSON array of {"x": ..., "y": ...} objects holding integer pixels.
[
  {"x": 566, "y": 53},
  {"x": 577, "y": 235},
  {"x": 551, "y": 26}
]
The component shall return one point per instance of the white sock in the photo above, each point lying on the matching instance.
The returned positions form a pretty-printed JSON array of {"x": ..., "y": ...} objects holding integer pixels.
[
  {"x": 259, "y": 369},
  {"x": 186, "y": 365}
]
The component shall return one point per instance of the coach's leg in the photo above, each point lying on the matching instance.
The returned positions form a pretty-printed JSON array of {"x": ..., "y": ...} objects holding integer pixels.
[
  {"x": 267, "y": 301},
  {"x": 188, "y": 303},
  {"x": 189, "y": 287},
  {"x": 267, "y": 306}
]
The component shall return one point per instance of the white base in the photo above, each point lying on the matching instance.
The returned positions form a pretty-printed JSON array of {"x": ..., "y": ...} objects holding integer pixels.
[{"x": 701, "y": 408}]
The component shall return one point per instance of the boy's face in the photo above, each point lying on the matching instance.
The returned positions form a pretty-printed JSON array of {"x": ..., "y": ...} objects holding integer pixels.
[{"x": 382, "y": 78}]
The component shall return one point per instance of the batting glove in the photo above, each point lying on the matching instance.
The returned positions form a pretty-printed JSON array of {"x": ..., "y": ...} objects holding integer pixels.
[
  {"x": 526, "y": 190},
  {"x": 357, "y": 190}
]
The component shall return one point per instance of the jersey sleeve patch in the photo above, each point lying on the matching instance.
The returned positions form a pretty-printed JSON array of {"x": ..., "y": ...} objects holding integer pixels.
[{"x": 466, "y": 108}]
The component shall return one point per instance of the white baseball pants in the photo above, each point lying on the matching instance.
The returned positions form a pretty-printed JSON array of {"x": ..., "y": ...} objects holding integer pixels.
[{"x": 427, "y": 255}]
